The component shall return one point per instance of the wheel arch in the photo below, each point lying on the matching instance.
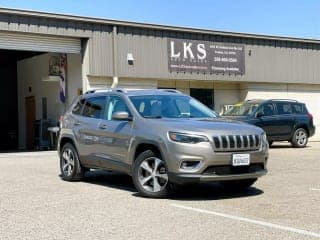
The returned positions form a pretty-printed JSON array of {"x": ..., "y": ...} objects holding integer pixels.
[
  {"x": 64, "y": 140},
  {"x": 301, "y": 125},
  {"x": 146, "y": 145}
]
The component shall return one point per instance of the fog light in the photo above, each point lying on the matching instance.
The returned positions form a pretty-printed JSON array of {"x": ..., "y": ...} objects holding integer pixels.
[{"x": 190, "y": 165}]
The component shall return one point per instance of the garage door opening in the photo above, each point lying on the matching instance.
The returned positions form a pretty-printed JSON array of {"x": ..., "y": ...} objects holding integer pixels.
[
  {"x": 9, "y": 97},
  {"x": 31, "y": 85},
  {"x": 30, "y": 99}
]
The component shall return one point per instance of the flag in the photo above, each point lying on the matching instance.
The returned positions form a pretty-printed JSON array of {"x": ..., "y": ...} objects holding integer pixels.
[{"x": 63, "y": 77}]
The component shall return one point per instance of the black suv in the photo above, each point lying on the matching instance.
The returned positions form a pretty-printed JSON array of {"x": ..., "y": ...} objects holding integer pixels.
[{"x": 282, "y": 119}]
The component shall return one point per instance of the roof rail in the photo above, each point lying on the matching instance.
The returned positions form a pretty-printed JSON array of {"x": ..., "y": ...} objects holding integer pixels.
[
  {"x": 272, "y": 99},
  {"x": 170, "y": 90},
  {"x": 255, "y": 99},
  {"x": 282, "y": 99},
  {"x": 106, "y": 90},
  {"x": 121, "y": 90}
]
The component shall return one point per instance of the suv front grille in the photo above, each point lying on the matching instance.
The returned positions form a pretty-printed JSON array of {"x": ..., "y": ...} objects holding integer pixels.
[{"x": 236, "y": 143}]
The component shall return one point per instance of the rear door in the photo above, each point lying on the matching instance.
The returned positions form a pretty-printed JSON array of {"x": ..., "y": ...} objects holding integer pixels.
[
  {"x": 86, "y": 128},
  {"x": 286, "y": 120}
]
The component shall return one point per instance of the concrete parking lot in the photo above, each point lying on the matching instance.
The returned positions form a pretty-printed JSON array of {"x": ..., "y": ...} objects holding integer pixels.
[{"x": 36, "y": 204}]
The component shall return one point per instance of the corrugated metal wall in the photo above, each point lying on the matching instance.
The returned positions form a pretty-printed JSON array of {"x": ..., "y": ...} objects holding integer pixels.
[
  {"x": 101, "y": 51},
  {"x": 149, "y": 49},
  {"x": 39, "y": 43},
  {"x": 42, "y": 25},
  {"x": 270, "y": 60},
  {"x": 99, "y": 36}
]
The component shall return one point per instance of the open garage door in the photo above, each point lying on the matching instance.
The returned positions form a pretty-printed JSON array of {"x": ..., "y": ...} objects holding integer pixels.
[
  {"x": 24, "y": 63},
  {"x": 39, "y": 43}
]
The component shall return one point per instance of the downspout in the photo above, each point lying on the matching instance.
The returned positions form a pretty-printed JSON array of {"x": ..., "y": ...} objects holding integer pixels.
[{"x": 115, "y": 58}]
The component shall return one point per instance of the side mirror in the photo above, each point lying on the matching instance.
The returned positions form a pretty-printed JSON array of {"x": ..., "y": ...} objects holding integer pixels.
[
  {"x": 259, "y": 115},
  {"x": 121, "y": 116}
]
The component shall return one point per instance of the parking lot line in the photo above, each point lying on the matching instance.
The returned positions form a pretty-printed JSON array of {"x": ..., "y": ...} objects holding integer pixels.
[{"x": 248, "y": 220}]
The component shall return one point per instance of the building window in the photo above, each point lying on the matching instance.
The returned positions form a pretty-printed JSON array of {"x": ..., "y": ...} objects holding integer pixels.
[{"x": 205, "y": 96}]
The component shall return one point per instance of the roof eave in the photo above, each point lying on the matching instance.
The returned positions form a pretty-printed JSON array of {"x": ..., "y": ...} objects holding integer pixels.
[{"x": 151, "y": 26}]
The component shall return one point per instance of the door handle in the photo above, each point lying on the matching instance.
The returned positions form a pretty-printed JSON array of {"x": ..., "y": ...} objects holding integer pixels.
[
  {"x": 103, "y": 126},
  {"x": 77, "y": 123}
]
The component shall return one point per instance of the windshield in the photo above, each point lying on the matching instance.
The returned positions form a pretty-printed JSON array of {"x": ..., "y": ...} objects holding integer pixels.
[
  {"x": 170, "y": 106},
  {"x": 242, "y": 109}
]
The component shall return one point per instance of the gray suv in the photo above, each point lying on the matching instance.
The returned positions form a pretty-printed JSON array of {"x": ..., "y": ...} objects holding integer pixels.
[{"x": 161, "y": 138}]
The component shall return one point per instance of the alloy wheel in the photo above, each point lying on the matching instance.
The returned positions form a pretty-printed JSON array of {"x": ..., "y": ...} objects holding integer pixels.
[
  {"x": 152, "y": 174},
  {"x": 68, "y": 161},
  {"x": 301, "y": 137}
]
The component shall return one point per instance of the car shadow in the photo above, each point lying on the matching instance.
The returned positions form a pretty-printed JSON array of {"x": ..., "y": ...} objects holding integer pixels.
[
  {"x": 110, "y": 179},
  {"x": 190, "y": 192},
  {"x": 211, "y": 191}
]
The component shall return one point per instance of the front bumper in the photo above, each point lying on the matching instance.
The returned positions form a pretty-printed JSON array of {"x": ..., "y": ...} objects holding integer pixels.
[
  {"x": 181, "y": 178},
  {"x": 213, "y": 166}
]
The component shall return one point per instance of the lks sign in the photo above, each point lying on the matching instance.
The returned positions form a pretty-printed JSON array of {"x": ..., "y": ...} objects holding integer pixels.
[{"x": 206, "y": 57}]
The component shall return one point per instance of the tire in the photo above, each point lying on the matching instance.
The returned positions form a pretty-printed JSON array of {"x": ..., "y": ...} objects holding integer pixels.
[
  {"x": 238, "y": 185},
  {"x": 70, "y": 167},
  {"x": 150, "y": 176},
  {"x": 299, "y": 138}
]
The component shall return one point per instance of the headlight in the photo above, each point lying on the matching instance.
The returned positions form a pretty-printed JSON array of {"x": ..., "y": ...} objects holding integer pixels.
[
  {"x": 264, "y": 138},
  {"x": 187, "y": 138}
]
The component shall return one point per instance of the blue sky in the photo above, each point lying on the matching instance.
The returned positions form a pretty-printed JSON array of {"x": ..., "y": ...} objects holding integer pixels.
[{"x": 283, "y": 17}]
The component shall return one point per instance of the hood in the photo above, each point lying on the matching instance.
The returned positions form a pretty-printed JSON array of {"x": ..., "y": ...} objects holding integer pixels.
[
  {"x": 212, "y": 126},
  {"x": 238, "y": 118}
]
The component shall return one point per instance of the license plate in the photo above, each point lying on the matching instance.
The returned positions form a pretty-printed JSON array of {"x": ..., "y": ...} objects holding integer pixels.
[{"x": 240, "y": 159}]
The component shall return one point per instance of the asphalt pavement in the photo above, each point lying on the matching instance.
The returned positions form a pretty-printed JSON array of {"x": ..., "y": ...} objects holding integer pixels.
[{"x": 36, "y": 204}]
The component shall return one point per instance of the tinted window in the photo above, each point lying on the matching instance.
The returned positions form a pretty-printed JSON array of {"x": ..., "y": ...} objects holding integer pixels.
[
  {"x": 297, "y": 108},
  {"x": 93, "y": 107},
  {"x": 78, "y": 107},
  {"x": 284, "y": 108},
  {"x": 116, "y": 104},
  {"x": 143, "y": 106},
  {"x": 267, "y": 109}
]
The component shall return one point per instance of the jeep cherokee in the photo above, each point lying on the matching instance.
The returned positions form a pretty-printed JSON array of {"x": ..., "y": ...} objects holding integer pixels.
[{"x": 160, "y": 138}]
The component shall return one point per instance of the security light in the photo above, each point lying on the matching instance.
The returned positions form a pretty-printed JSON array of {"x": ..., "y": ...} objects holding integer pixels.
[{"x": 130, "y": 58}]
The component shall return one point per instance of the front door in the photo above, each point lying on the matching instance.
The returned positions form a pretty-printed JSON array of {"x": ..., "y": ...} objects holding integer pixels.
[
  {"x": 268, "y": 120},
  {"x": 114, "y": 136},
  {"x": 30, "y": 104}
]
